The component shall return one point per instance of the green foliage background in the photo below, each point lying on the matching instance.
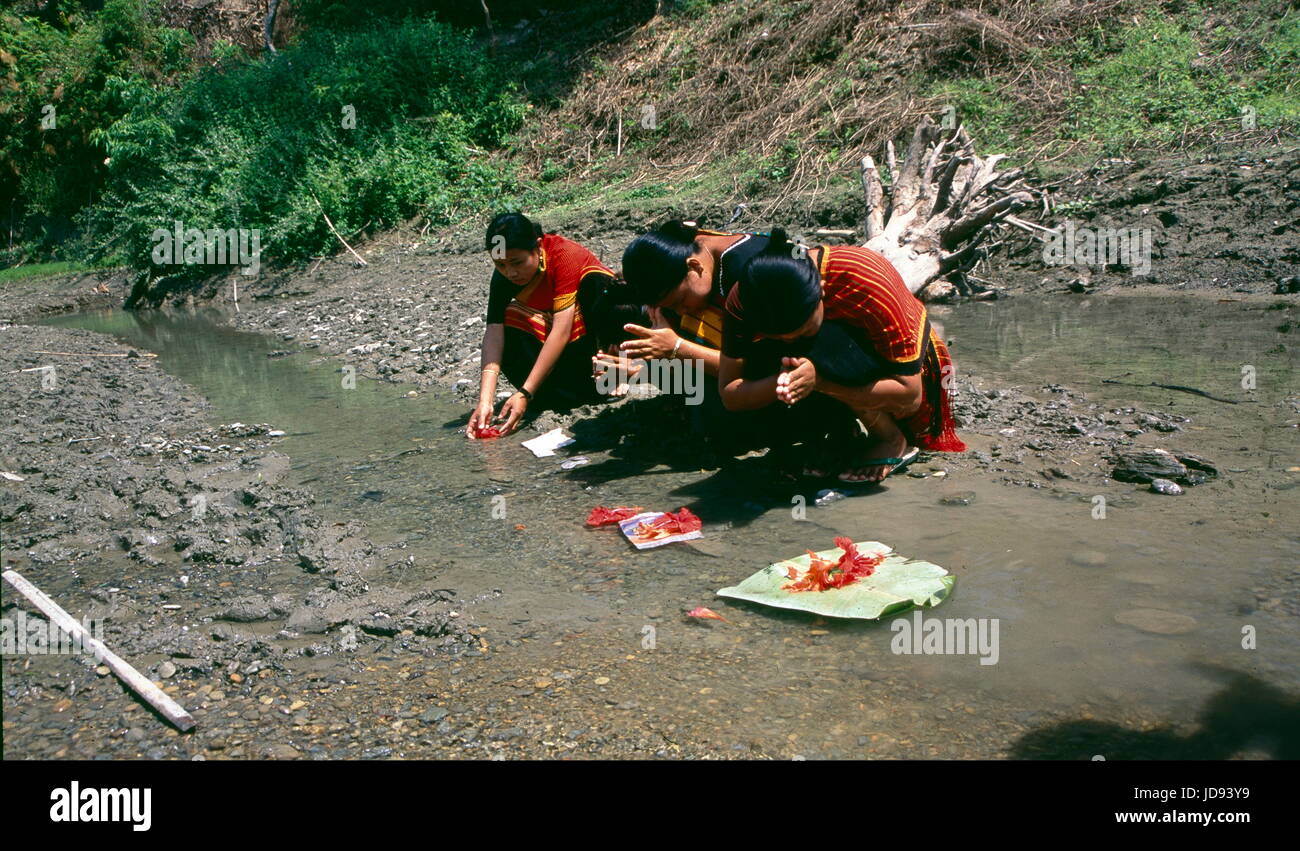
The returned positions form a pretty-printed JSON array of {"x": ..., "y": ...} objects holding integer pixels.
[
  {"x": 147, "y": 134},
  {"x": 143, "y": 140}
]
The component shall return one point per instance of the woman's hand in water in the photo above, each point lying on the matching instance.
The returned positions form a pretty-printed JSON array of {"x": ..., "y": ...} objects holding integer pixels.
[
  {"x": 797, "y": 380},
  {"x": 652, "y": 342},
  {"x": 512, "y": 412},
  {"x": 481, "y": 418}
]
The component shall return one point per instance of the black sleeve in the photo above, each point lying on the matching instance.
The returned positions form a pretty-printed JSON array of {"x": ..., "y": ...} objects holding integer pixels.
[
  {"x": 735, "y": 337},
  {"x": 500, "y": 292}
]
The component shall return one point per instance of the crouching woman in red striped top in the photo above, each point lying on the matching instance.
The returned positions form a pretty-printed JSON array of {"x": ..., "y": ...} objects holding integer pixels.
[
  {"x": 839, "y": 322},
  {"x": 536, "y": 335}
]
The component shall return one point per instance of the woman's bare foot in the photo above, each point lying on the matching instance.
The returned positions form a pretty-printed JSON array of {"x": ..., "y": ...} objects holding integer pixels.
[{"x": 885, "y": 440}]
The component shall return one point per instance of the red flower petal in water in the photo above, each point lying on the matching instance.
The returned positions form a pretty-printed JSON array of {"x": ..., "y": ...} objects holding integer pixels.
[
  {"x": 486, "y": 432},
  {"x": 706, "y": 614},
  {"x": 601, "y": 516}
]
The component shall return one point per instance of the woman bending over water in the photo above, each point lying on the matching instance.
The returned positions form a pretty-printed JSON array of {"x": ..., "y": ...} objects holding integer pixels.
[
  {"x": 839, "y": 323},
  {"x": 677, "y": 279},
  {"x": 536, "y": 332}
]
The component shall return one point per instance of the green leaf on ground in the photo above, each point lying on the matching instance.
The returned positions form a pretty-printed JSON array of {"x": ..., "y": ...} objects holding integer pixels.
[{"x": 898, "y": 584}]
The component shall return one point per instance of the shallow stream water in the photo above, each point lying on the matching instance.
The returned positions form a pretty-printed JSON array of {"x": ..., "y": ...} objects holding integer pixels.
[{"x": 1062, "y": 585}]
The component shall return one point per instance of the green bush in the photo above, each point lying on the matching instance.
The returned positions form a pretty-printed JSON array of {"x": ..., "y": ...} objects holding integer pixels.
[
  {"x": 1151, "y": 89},
  {"x": 47, "y": 174},
  {"x": 1274, "y": 95},
  {"x": 268, "y": 144},
  {"x": 987, "y": 114}
]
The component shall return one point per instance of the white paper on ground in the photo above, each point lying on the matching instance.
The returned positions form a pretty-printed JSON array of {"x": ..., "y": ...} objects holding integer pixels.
[
  {"x": 632, "y": 522},
  {"x": 545, "y": 445}
]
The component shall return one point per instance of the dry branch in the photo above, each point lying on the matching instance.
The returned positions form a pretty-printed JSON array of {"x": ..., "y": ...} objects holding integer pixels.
[
  {"x": 360, "y": 261},
  {"x": 944, "y": 204}
]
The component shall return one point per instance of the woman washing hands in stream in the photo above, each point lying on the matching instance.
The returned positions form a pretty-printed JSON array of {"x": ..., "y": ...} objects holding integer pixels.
[
  {"x": 536, "y": 331},
  {"x": 806, "y": 325}
]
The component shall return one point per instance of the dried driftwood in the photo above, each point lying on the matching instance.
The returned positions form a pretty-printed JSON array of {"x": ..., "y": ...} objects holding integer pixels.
[{"x": 944, "y": 205}]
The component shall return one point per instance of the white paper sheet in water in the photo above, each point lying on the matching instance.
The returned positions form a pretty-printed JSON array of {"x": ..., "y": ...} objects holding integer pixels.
[{"x": 545, "y": 445}]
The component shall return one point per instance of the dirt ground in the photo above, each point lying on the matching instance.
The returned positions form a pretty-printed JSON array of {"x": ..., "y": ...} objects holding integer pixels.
[{"x": 264, "y": 672}]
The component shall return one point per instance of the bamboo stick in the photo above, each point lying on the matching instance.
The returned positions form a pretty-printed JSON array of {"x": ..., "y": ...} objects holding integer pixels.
[
  {"x": 138, "y": 682},
  {"x": 91, "y": 355},
  {"x": 334, "y": 230}
]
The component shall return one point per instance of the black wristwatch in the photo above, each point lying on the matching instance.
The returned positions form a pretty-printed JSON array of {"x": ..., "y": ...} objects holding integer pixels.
[{"x": 527, "y": 395}]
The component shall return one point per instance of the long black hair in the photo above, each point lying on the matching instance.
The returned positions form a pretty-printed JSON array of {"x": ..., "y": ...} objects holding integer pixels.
[
  {"x": 518, "y": 231},
  {"x": 780, "y": 287},
  {"x": 655, "y": 262}
]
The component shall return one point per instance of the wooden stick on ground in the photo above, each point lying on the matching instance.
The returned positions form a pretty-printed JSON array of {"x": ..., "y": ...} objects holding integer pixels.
[
  {"x": 138, "y": 682},
  {"x": 334, "y": 230},
  {"x": 92, "y": 355}
]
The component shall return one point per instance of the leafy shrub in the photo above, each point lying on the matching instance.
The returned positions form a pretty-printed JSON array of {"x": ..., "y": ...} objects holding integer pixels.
[
  {"x": 61, "y": 75},
  {"x": 269, "y": 144}
]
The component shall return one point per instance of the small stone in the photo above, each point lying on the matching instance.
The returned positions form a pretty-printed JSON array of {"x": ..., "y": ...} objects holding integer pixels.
[
  {"x": 1144, "y": 465},
  {"x": 1165, "y": 487},
  {"x": 296, "y": 705},
  {"x": 1198, "y": 463},
  {"x": 962, "y": 498},
  {"x": 281, "y": 751},
  {"x": 600, "y": 681},
  {"x": 1157, "y": 621},
  {"x": 236, "y": 678},
  {"x": 433, "y": 715},
  {"x": 166, "y": 670},
  {"x": 103, "y": 670}
]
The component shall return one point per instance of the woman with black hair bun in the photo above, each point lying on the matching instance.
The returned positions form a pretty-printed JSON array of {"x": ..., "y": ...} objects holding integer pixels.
[
  {"x": 845, "y": 327},
  {"x": 676, "y": 281},
  {"x": 685, "y": 271},
  {"x": 536, "y": 331}
]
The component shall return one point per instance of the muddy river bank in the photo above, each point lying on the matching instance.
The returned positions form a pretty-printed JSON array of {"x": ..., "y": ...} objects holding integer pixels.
[{"x": 320, "y": 567}]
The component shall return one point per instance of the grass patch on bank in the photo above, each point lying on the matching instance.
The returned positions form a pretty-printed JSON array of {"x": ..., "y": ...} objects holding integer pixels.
[{"x": 44, "y": 270}]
